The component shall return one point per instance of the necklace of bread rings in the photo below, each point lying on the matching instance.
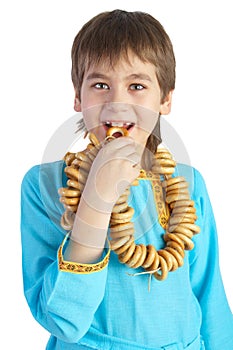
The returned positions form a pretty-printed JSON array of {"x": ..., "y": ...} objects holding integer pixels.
[{"x": 176, "y": 211}]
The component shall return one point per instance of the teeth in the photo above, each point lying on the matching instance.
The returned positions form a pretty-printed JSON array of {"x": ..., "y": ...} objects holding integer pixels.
[
  {"x": 120, "y": 124},
  {"x": 117, "y": 124}
]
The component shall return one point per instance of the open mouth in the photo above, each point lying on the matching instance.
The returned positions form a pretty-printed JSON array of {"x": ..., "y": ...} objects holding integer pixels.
[{"x": 127, "y": 125}]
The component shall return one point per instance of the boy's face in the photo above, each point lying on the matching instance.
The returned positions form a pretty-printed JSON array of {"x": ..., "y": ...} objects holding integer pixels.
[{"x": 127, "y": 94}]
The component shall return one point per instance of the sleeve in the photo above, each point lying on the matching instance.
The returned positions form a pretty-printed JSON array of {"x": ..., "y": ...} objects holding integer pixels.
[
  {"x": 217, "y": 320},
  {"x": 64, "y": 303}
]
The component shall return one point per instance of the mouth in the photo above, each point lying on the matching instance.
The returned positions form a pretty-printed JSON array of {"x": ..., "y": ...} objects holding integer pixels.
[{"x": 126, "y": 125}]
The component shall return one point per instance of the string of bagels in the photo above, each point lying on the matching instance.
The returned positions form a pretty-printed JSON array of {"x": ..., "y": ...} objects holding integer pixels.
[{"x": 176, "y": 211}]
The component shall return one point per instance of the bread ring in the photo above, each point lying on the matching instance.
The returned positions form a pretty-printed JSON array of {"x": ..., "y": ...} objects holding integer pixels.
[
  {"x": 177, "y": 185},
  {"x": 177, "y": 256},
  {"x": 93, "y": 139},
  {"x": 123, "y": 198},
  {"x": 68, "y": 192},
  {"x": 77, "y": 176},
  {"x": 188, "y": 243},
  {"x": 72, "y": 173},
  {"x": 91, "y": 152},
  {"x": 67, "y": 219},
  {"x": 155, "y": 264},
  {"x": 162, "y": 150},
  {"x": 82, "y": 164},
  {"x": 192, "y": 227},
  {"x": 124, "y": 257},
  {"x": 118, "y": 208},
  {"x": 177, "y": 247},
  {"x": 160, "y": 154},
  {"x": 136, "y": 256},
  {"x": 182, "y": 203},
  {"x": 167, "y": 257},
  {"x": 181, "y": 229},
  {"x": 173, "y": 264},
  {"x": 69, "y": 157},
  {"x": 69, "y": 216},
  {"x": 182, "y": 218},
  {"x": 117, "y": 235},
  {"x": 73, "y": 184},
  {"x": 115, "y": 129},
  {"x": 183, "y": 210},
  {"x": 72, "y": 208},
  {"x": 117, "y": 243},
  {"x": 125, "y": 247},
  {"x": 92, "y": 148},
  {"x": 66, "y": 225},
  {"x": 174, "y": 237},
  {"x": 162, "y": 274},
  {"x": 151, "y": 254},
  {"x": 165, "y": 162},
  {"x": 125, "y": 215},
  {"x": 122, "y": 227},
  {"x": 69, "y": 200},
  {"x": 177, "y": 197},
  {"x": 83, "y": 157},
  {"x": 164, "y": 170},
  {"x": 173, "y": 180},
  {"x": 178, "y": 191},
  {"x": 126, "y": 193},
  {"x": 142, "y": 258},
  {"x": 119, "y": 221}
]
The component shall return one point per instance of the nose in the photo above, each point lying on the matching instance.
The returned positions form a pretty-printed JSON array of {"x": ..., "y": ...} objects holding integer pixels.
[{"x": 116, "y": 107}]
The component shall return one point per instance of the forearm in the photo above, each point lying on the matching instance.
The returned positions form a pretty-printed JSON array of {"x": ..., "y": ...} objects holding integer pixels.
[{"x": 88, "y": 237}]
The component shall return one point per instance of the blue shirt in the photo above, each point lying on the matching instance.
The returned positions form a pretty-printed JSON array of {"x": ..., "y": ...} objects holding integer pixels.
[{"x": 111, "y": 309}]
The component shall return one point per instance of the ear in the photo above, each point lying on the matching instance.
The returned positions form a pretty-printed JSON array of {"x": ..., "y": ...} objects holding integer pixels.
[
  {"x": 165, "y": 107},
  {"x": 77, "y": 102}
]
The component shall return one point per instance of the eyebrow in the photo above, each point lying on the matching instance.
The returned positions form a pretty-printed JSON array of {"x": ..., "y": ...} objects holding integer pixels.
[
  {"x": 140, "y": 76},
  {"x": 96, "y": 75}
]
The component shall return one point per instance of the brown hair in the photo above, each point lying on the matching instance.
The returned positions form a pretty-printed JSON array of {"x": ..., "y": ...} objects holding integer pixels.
[{"x": 111, "y": 35}]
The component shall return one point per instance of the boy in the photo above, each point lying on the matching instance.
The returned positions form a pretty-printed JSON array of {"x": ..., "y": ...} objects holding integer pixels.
[{"x": 123, "y": 71}]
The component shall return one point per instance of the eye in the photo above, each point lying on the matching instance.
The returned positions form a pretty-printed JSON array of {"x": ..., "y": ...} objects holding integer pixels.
[
  {"x": 101, "y": 86},
  {"x": 137, "y": 87}
]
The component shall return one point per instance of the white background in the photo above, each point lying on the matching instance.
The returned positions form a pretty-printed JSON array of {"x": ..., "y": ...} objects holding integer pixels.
[{"x": 37, "y": 97}]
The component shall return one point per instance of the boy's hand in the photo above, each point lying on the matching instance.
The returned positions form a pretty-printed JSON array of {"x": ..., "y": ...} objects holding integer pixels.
[{"x": 113, "y": 170}]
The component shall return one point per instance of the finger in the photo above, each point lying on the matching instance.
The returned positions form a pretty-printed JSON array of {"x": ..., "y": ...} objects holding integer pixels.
[
  {"x": 122, "y": 151},
  {"x": 134, "y": 158},
  {"x": 120, "y": 142}
]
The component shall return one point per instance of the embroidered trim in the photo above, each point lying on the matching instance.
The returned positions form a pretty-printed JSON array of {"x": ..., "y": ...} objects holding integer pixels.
[
  {"x": 73, "y": 267},
  {"x": 161, "y": 205}
]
